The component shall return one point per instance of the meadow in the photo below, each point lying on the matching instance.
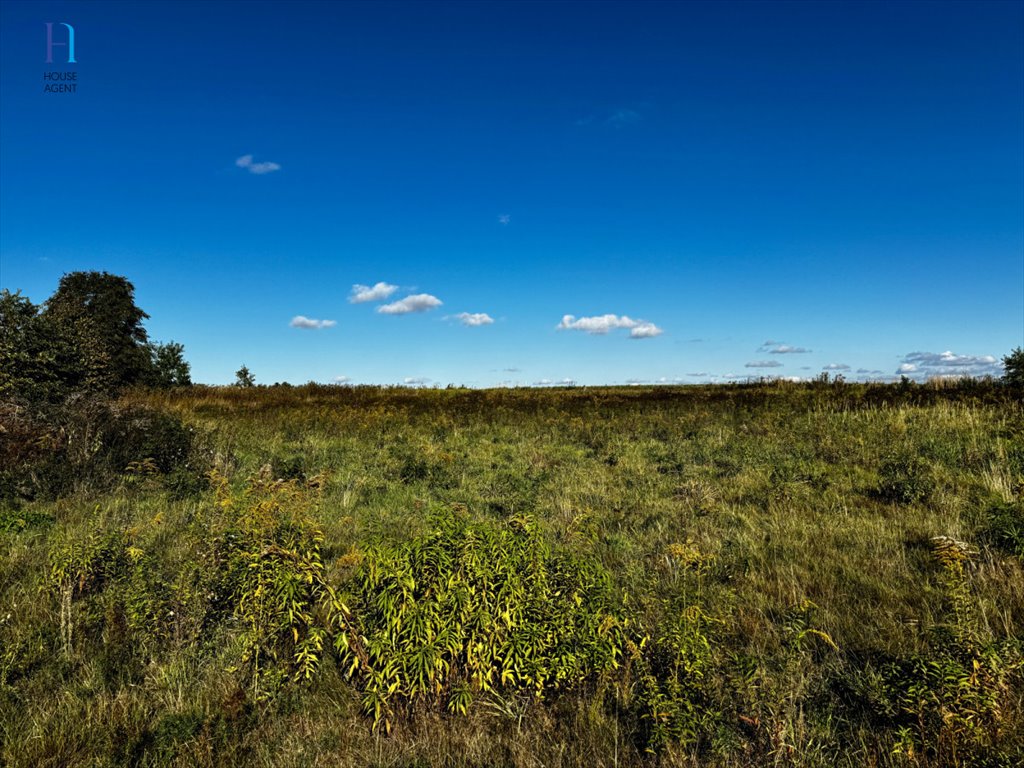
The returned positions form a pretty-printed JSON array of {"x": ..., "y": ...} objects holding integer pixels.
[{"x": 767, "y": 574}]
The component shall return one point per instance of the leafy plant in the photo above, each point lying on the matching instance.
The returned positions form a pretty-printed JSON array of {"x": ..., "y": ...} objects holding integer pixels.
[
  {"x": 469, "y": 609},
  {"x": 905, "y": 479}
]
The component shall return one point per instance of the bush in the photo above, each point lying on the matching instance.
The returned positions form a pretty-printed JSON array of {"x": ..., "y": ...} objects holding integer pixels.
[
  {"x": 89, "y": 442},
  {"x": 905, "y": 479},
  {"x": 470, "y": 610},
  {"x": 1005, "y": 527}
]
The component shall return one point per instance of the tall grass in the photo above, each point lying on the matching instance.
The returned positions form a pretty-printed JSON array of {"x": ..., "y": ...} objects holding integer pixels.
[{"x": 761, "y": 577}]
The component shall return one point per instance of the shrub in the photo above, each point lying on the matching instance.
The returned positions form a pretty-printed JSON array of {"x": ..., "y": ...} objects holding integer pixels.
[
  {"x": 89, "y": 442},
  {"x": 905, "y": 479},
  {"x": 1005, "y": 527},
  {"x": 473, "y": 609},
  {"x": 666, "y": 691},
  {"x": 269, "y": 554}
]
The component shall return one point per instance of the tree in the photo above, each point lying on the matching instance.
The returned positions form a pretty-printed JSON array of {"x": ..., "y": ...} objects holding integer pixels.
[
  {"x": 1013, "y": 368},
  {"x": 27, "y": 362},
  {"x": 243, "y": 378},
  {"x": 100, "y": 343},
  {"x": 169, "y": 367}
]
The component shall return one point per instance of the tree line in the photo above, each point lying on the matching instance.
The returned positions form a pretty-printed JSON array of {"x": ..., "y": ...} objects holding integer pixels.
[{"x": 87, "y": 337}]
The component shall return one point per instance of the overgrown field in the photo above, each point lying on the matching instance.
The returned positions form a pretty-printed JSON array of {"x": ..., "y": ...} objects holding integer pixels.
[{"x": 777, "y": 574}]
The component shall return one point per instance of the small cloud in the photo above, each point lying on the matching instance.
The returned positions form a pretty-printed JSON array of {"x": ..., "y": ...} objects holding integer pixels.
[
  {"x": 600, "y": 325},
  {"x": 836, "y": 367},
  {"x": 778, "y": 348},
  {"x": 341, "y": 380},
  {"x": 510, "y": 370},
  {"x": 246, "y": 161},
  {"x": 364, "y": 293},
  {"x": 415, "y": 381},
  {"x": 420, "y": 302},
  {"x": 310, "y": 324},
  {"x": 543, "y": 383},
  {"x": 906, "y": 368},
  {"x": 699, "y": 375},
  {"x": 645, "y": 331},
  {"x": 504, "y": 219},
  {"x": 763, "y": 364},
  {"x": 474, "y": 319}
]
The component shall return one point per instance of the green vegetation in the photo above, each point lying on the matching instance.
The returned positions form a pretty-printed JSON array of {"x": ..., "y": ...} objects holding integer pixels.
[
  {"x": 88, "y": 337},
  {"x": 1013, "y": 366},
  {"x": 243, "y": 378},
  {"x": 785, "y": 574}
]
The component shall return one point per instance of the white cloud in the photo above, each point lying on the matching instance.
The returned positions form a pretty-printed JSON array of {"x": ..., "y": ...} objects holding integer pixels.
[
  {"x": 309, "y": 323},
  {"x": 763, "y": 364},
  {"x": 341, "y": 380},
  {"x": 600, "y": 325},
  {"x": 778, "y": 348},
  {"x": 245, "y": 161},
  {"x": 645, "y": 331},
  {"x": 950, "y": 364},
  {"x": 504, "y": 219},
  {"x": 474, "y": 319},
  {"x": 363, "y": 293},
  {"x": 836, "y": 367},
  {"x": 420, "y": 302},
  {"x": 415, "y": 381}
]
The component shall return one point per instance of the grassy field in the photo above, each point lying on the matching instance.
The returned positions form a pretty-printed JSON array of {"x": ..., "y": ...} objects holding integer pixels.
[{"x": 776, "y": 574}]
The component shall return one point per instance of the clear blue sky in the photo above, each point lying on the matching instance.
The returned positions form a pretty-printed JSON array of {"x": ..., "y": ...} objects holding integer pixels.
[{"x": 730, "y": 182}]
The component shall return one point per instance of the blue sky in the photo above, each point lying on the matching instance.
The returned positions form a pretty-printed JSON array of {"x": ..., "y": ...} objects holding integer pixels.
[{"x": 708, "y": 190}]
